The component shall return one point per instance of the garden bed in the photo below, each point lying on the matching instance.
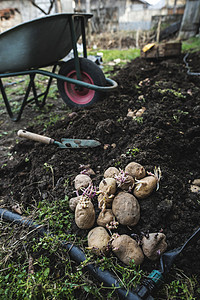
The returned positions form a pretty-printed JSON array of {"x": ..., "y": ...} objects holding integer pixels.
[{"x": 165, "y": 136}]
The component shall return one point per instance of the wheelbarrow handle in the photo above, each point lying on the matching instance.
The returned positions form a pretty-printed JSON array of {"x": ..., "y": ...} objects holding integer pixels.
[{"x": 35, "y": 137}]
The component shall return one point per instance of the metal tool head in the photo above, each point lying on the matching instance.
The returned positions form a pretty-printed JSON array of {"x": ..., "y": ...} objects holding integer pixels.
[
  {"x": 77, "y": 143},
  {"x": 167, "y": 258}
]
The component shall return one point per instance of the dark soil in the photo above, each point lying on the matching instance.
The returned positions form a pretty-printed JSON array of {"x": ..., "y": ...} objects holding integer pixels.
[{"x": 168, "y": 135}]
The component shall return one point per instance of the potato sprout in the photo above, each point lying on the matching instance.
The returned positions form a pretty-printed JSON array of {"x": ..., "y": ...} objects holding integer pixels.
[{"x": 124, "y": 181}]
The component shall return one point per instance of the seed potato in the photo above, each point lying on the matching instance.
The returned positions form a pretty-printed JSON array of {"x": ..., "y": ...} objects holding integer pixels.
[
  {"x": 98, "y": 239},
  {"x": 154, "y": 245},
  {"x": 127, "y": 249},
  {"x": 105, "y": 217},
  {"x": 105, "y": 201},
  {"x": 126, "y": 209},
  {"x": 128, "y": 184},
  {"x": 85, "y": 217},
  {"x": 73, "y": 202},
  {"x": 111, "y": 172},
  {"x": 108, "y": 185},
  {"x": 145, "y": 187},
  {"x": 135, "y": 170},
  {"x": 82, "y": 181}
]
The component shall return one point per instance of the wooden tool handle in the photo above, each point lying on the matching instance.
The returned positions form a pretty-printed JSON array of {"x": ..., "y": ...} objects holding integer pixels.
[{"x": 35, "y": 137}]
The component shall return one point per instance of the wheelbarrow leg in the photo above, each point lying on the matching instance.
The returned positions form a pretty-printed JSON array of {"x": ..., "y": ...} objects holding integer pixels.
[
  {"x": 8, "y": 107},
  {"x": 6, "y": 99},
  {"x": 25, "y": 101},
  {"x": 74, "y": 47},
  {"x": 45, "y": 94}
]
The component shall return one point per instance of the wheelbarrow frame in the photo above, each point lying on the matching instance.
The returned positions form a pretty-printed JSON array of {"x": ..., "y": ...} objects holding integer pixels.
[{"x": 32, "y": 73}]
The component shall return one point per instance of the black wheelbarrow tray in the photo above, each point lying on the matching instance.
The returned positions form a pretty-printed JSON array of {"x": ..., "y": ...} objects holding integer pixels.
[{"x": 44, "y": 42}]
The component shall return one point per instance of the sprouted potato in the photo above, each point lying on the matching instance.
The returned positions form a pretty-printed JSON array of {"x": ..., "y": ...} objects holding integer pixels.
[
  {"x": 126, "y": 209},
  {"x": 153, "y": 245},
  {"x": 107, "y": 189},
  {"x": 124, "y": 181},
  {"x": 111, "y": 172},
  {"x": 82, "y": 181},
  {"x": 148, "y": 184},
  {"x": 105, "y": 201},
  {"x": 105, "y": 217},
  {"x": 73, "y": 202},
  {"x": 145, "y": 187},
  {"x": 108, "y": 185},
  {"x": 127, "y": 249},
  {"x": 98, "y": 240},
  {"x": 135, "y": 170},
  {"x": 85, "y": 214}
]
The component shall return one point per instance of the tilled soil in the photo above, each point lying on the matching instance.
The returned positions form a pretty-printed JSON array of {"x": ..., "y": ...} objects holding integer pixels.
[{"x": 167, "y": 135}]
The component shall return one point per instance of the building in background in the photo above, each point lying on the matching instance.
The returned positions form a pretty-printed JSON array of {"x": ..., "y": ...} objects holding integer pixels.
[
  {"x": 18, "y": 11},
  {"x": 113, "y": 15},
  {"x": 108, "y": 15}
]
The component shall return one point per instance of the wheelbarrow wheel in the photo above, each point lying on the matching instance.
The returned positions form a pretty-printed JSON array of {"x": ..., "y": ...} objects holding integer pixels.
[{"x": 71, "y": 93}]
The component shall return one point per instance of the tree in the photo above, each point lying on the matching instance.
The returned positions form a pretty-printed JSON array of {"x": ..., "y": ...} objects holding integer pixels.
[
  {"x": 44, "y": 12},
  {"x": 191, "y": 20}
]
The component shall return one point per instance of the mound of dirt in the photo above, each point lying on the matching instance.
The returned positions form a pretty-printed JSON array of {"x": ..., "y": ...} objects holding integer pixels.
[{"x": 166, "y": 135}]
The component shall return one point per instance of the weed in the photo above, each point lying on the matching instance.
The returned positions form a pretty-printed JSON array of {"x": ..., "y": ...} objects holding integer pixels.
[
  {"x": 171, "y": 91},
  {"x": 117, "y": 164},
  {"x": 53, "y": 118},
  {"x": 177, "y": 117},
  {"x": 139, "y": 120},
  {"x": 137, "y": 87},
  {"x": 133, "y": 152},
  {"x": 141, "y": 99},
  {"x": 181, "y": 112},
  {"x": 183, "y": 287},
  {"x": 3, "y": 133},
  {"x": 48, "y": 167}
]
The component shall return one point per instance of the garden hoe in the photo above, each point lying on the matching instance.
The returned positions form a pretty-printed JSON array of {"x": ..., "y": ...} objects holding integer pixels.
[
  {"x": 65, "y": 143},
  {"x": 155, "y": 278}
]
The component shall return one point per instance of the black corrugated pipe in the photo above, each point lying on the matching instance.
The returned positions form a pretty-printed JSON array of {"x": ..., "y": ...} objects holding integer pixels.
[{"x": 76, "y": 254}]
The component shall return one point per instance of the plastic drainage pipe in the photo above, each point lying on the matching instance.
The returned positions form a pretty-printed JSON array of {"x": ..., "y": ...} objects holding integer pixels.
[{"x": 76, "y": 254}]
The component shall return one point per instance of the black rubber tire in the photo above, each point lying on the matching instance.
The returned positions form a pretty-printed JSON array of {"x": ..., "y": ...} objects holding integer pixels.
[{"x": 90, "y": 73}]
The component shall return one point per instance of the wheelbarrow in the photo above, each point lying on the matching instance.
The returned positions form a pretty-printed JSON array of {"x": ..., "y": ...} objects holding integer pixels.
[{"x": 28, "y": 48}]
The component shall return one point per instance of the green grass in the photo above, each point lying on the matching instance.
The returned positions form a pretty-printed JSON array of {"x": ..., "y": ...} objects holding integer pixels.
[
  {"x": 191, "y": 45},
  {"x": 111, "y": 55},
  {"x": 39, "y": 267},
  {"x": 115, "y": 57}
]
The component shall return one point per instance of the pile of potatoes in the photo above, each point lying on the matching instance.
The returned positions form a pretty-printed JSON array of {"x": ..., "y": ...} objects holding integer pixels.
[{"x": 118, "y": 195}]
